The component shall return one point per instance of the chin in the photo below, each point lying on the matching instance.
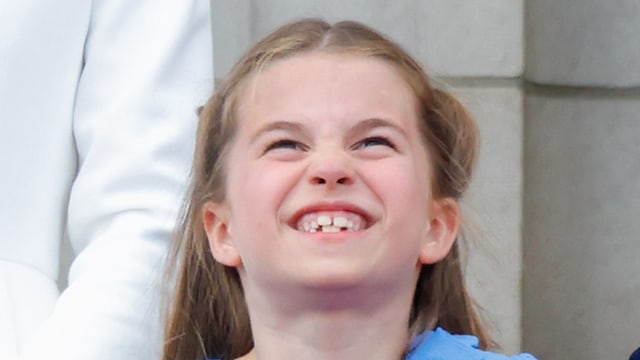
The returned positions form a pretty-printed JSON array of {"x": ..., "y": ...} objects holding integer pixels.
[{"x": 335, "y": 275}]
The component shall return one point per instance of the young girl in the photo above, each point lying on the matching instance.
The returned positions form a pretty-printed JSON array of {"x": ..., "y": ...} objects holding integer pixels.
[{"x": 323, "y": 213}]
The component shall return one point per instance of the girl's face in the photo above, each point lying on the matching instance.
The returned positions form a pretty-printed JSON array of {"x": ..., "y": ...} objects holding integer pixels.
[{"x": 328, "y": 179}]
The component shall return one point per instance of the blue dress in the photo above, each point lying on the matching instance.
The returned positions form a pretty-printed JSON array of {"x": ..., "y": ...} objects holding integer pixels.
[{"x": 440, "y": 345}]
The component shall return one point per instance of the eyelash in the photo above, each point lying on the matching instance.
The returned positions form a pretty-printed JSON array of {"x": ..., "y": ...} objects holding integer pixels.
[
  {"x": 295, "y": 145},
  {"x": 284, "y": 144},
  {"x": 376, "y": 140}
]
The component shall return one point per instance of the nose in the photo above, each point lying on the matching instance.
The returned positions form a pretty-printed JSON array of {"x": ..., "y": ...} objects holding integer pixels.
[{"x": 331, "y": 169}]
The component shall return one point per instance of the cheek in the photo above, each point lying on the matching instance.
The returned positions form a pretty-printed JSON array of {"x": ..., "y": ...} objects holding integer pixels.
[
  {"x": 402, "y": 181},
  {"x": 404, "y": 189},
  {"x": 249, "y": 196},
  {"x": 256, "y": 192}
]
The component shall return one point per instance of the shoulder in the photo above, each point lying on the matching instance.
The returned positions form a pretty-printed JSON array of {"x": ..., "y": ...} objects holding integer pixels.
[{"x": 440, "y": 345}]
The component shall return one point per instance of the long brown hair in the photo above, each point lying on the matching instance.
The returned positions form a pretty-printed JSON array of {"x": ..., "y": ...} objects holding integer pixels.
[{"x": 207, "y": 316}]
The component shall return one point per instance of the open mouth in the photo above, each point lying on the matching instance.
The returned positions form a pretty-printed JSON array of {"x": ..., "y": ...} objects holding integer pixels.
[{"x": 331, "y": 221}]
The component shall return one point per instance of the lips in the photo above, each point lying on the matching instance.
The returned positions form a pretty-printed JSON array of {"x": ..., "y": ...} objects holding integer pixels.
[{"x": 330, "y": 218}]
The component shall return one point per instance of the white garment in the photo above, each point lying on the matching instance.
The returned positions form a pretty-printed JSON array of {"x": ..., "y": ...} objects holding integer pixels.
[{"x": 97, "y": 123}]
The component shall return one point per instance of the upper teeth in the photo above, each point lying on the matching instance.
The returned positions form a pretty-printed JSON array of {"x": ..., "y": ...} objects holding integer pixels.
[{"x": 330, "y": 222}]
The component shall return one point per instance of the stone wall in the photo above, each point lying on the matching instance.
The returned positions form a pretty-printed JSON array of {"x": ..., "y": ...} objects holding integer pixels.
[{"x": 582, "y": 179}]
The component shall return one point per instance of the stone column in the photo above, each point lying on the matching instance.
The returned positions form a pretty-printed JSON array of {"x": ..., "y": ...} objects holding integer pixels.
[{"x": 581, "y": 295}]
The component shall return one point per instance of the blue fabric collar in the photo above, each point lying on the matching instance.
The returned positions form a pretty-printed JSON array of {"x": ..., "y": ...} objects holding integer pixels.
[{"x": 440, "y": 345}]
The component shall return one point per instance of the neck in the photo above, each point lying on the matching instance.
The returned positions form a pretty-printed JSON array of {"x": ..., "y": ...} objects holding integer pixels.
[{"x": 338, "y": 324}]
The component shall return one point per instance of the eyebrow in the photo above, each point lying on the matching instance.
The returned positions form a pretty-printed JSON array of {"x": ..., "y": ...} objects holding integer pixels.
[
  {"x": 373, "y": 123},
  {"x": 290, "y": 126}
]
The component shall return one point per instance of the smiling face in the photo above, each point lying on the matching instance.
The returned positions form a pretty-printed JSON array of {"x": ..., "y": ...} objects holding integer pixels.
[{"x": 328, "y": 179}]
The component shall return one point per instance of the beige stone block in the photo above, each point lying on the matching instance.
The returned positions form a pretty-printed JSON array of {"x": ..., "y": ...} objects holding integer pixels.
[
  {"x": 482, "y": 38},
  {"x": 583, "y": 43},
  {"x": 231, "y": 25}
]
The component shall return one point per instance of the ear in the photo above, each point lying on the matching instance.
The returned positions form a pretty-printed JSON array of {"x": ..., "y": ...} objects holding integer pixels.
[
  {"x": 442, "y": 231},
  {"x": 215, "y": 218}
]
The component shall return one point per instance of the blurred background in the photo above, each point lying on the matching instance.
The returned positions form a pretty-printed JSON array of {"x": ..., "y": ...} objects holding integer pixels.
[{"x": 555, "y": 87}]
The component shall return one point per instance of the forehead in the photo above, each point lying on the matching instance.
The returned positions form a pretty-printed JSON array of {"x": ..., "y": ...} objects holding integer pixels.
[{"x": 305, "y": 80}]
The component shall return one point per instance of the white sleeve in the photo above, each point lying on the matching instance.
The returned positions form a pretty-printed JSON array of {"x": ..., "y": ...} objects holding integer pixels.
[{"x": 148, "y": 66}]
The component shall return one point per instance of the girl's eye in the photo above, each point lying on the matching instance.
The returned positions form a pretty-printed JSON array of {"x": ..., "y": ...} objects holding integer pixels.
[
  {"x": 284, "y": 144},
  {"x": 375, "y": 141}
]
